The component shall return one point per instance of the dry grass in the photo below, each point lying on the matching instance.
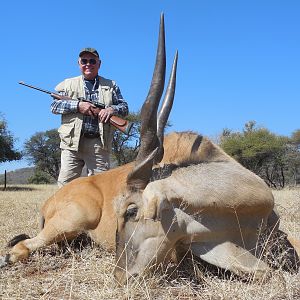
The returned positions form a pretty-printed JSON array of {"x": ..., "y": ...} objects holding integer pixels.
[{"x": 56, "y": 273}]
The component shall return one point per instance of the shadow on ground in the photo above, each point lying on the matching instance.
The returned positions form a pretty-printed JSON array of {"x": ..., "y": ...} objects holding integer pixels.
[{"x": 18, "y": 188}]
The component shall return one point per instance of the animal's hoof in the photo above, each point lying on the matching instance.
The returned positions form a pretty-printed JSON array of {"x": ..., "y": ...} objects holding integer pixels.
[{"x": 3, "y": 261}]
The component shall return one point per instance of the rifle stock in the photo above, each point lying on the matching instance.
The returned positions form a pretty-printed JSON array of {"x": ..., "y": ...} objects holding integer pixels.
[{"x": 119, "y": 123}]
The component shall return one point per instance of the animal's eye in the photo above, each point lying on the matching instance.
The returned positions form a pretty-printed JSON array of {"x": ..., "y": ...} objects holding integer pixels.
[{"x": 131, "y": 212}]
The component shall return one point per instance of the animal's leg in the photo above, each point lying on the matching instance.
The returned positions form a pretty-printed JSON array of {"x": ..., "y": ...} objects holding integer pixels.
[
  {"x": 232, "y": 257},
  {"x": 58, "y": 228}
]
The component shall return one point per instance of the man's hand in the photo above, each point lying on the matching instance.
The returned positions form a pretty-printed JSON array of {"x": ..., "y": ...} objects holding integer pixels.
[
  {"x": 105, "y": 114},
  {"x": 87, "y": 109}
]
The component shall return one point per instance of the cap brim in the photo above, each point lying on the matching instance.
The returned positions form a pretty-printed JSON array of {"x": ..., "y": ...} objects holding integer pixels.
[{"x": 82, "y": 52}]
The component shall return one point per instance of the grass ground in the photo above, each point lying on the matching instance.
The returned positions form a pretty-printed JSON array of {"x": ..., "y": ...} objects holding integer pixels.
[{"x": 86, "y": 273}]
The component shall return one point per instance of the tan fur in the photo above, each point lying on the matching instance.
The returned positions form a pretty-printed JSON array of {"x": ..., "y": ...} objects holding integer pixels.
[
  {"x": 83, "y": 205},
  {"x": 186, "y": 147},
  {"x": 86, "y": 205},
  {"x": 295, "y": 243},
  {"x": 210, "y": 204}
]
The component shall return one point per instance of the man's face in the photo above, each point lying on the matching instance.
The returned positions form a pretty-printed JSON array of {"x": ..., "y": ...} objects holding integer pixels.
[{"x": 89, "y": 65}]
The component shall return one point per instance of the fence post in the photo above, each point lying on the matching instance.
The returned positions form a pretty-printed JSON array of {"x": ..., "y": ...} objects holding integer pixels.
[{"x": 4, "y": 181}]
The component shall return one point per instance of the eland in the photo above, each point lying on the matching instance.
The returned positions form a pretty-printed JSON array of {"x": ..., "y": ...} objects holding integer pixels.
[
  {"x": 194, "y": 198},
  {"x": 182, "y": 193}
]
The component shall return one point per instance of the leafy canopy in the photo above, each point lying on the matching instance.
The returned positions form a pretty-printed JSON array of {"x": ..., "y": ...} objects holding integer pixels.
[
  {"x": 272, "y": 157},
  {"x": 7, "y": 150}
]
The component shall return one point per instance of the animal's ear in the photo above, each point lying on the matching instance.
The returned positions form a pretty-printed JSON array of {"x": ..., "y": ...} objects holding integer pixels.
[
  {"x": 155, "y": 207},
  {"x": 131, "y": 212}
]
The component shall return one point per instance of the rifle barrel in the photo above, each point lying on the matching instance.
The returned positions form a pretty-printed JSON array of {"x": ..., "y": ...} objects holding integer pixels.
[
  {"x": 114, "y": 120},
  {"x": 36, "y": 88}
]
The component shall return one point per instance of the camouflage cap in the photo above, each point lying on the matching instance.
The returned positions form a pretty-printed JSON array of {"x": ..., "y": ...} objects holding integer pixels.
[{"x": 90, "y": 50}]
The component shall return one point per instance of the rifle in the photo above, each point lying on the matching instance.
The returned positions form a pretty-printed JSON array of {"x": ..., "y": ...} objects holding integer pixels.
[{"x": 119, "y": 123}]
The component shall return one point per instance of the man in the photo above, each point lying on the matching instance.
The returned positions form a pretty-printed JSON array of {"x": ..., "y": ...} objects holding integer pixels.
[{"x": 86, "y": 138}]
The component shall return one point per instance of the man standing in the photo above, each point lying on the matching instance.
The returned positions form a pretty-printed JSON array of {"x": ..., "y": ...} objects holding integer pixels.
[{"x": 86, "y": 138}]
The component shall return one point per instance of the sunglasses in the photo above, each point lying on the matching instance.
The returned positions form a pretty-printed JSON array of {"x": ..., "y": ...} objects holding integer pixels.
[{"x": 85, "y": 61}]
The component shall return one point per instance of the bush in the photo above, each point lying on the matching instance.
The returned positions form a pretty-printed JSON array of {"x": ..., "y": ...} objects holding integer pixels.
[
  {"x": 40, "y": 177},
  {"x": 274, "y": 158}
]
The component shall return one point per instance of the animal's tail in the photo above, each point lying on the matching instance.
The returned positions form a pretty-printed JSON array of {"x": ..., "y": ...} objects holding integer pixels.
[
  {"x": 17, "y": 239},
  {"x": 5, "y": 260},
  {"x": 22, "y": 237}
]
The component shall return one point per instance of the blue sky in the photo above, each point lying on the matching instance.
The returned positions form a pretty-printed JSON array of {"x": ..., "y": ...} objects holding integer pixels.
[{"x": 238, "y": 60}]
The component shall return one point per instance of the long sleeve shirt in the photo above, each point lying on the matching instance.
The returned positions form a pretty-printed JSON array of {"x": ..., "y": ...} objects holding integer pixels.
[{"x": 90, "y": 124}]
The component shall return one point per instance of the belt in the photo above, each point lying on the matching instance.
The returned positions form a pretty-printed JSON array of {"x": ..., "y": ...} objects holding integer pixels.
[{"x": 91, "y": 135}]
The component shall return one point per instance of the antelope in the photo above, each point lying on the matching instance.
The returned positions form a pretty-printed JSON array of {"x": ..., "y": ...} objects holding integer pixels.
[
  {"x": 194, "y": 198},
  {"x": 182, "y": 192}
]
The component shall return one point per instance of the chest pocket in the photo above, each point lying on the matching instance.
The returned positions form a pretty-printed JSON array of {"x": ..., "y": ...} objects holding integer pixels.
[
  {"x": 106, "y": 95},
  {"x": 74, "y": 95}
]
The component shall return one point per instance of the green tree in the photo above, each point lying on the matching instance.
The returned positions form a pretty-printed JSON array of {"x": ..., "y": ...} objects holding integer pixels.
[
  {"x": 40, "y": 177},
  {"x": 293, "y": 157},
  {"x": 125, "y": 147},
  {"x": 42, "y": 150},
  {"x": 295, "y": 138},
  {"x": 7, "y": 151},
  {"x": 260, "y": 151}
]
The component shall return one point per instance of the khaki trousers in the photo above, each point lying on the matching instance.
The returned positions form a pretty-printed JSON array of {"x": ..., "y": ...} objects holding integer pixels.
[{"x": 90, "y": 153}]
